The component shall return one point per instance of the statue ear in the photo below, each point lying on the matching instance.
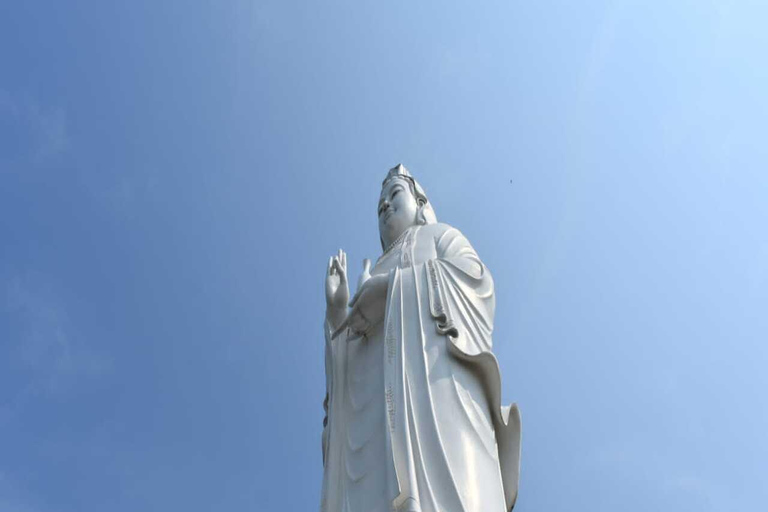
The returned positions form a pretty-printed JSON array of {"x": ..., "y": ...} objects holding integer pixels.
[{"x": 426, "y": 214}]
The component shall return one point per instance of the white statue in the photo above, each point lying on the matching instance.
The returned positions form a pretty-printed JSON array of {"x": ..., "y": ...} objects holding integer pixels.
[{"x": 413, "y": 414}]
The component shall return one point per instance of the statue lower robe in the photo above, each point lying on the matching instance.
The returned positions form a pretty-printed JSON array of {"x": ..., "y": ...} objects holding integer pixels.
[{"x": 414, "y": 421}]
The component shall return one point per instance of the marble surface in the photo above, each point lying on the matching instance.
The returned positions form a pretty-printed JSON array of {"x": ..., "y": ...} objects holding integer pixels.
[{"x": 413, "y": 414}]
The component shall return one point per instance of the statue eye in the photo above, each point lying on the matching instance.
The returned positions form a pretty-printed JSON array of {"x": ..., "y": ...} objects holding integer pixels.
[{"x": 397, "y": 191}]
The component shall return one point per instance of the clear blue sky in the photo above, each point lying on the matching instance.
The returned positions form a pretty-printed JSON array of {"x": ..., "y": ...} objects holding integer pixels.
[{"x": 174, "y": 176}]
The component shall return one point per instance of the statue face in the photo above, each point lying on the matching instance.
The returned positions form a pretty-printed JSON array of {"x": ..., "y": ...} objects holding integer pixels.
[{"x": 397, "y": 209}]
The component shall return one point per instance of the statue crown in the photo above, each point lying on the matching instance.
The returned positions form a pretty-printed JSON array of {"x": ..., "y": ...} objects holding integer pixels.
[{"x": 398, "y": 171}]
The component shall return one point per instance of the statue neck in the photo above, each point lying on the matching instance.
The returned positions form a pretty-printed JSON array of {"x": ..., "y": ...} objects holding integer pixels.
[{"x": 389, "y": 245}]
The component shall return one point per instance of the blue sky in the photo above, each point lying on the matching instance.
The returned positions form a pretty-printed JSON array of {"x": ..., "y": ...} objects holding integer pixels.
[{"x": 173, "y": 178}]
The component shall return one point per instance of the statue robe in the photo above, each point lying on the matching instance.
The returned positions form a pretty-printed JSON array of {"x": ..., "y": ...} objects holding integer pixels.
[{"x": 414, "y": 421}]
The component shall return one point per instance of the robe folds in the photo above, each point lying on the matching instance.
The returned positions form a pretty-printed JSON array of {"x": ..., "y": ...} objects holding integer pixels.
[{"x": 414, "y": 421}]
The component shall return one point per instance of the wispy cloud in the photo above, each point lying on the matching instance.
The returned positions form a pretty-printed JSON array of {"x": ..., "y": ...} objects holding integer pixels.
[
  {"x": 659, "y": 472},
  {"x": 7, "y": 105},
  {"x": 126, "y": 194},
  {"x": 42, "y": 129},
  {"x": 12, "y": 497},
  {"x": 51, "y": 128},
  {"x": 45, "y": 345},
  {"x": 600, "y": 48}
]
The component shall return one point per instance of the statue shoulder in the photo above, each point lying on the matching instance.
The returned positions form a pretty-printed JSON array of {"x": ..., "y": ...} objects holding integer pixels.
[
  {"x": 439, "y": 230},
  {"x": 443, "y": 237}
]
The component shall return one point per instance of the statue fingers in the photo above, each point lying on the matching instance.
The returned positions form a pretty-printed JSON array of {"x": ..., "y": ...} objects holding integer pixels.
[{"x": 339, "y": 270}]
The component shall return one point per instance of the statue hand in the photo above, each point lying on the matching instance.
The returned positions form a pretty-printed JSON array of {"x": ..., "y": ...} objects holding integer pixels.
[
  {"x": 336, "y": 288},
  {"x": 368, "y": 306},
  {"x": 365, "y": 275}
]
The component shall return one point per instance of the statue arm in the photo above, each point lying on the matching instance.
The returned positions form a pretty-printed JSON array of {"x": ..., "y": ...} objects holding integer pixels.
[
  {"x": 328, "y": 386},
  {"x": 367, "y": 306},
  {"x": 461, "y": 293},
  {"x": 451, "y": 245},
  {"x": 336, "y": 297}
]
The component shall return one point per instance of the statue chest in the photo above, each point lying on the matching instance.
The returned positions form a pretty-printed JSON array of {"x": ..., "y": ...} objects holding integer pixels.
[{"x": 416, "y": 247}]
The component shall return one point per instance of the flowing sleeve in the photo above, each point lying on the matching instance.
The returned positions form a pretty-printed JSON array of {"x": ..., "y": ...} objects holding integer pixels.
[
  {"x": 462, "y": 304},
  {"x": 461, "y": 293}
]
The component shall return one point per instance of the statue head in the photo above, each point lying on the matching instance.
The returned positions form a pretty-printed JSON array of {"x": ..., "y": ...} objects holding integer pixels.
[{"x": 402, "y": 204}]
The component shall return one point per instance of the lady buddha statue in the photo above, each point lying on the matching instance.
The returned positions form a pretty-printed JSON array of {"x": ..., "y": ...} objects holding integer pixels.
[{"x": 413, "y": 415}]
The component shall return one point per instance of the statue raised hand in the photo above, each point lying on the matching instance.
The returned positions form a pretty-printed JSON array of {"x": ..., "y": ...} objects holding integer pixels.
[{"x": 336, "y": 289}]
